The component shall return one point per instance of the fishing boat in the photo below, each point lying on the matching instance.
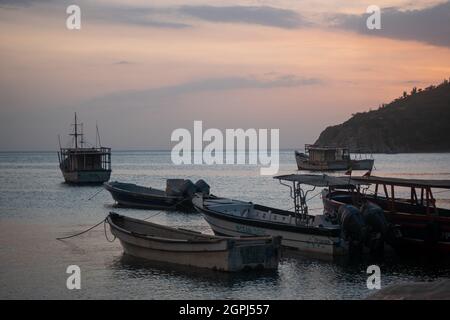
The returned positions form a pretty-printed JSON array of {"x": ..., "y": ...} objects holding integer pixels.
[
  {"x": 316, "y": 235},
  {"x": 321, "y": 158},
  {"x": 160, "y": 243},
  {"x": 80, "y": 164},
  {"x": 407, "y": 203},
  {"x": 177, "y": 195}
]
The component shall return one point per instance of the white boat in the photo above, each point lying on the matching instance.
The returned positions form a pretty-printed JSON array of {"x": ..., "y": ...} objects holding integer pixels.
[
  {"x": 160, "y": 243},
  {"x": 322, "y": 235},
  {"x": 320, "y": 158},
  {"x": 310, "y": 234}
]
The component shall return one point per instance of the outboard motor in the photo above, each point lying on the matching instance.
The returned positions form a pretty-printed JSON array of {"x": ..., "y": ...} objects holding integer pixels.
[
  {"x": 188, "y": 189},
  {"x": 377, "y": 226},
  {"x": 173, "y": 187},
  {"x": 354, "y": 230},
  {"x": 374, "y": 217},
  {"x": 202, "y": 187}
]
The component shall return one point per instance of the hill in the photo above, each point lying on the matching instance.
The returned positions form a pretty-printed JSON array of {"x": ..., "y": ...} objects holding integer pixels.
[{"x": 415, "y": 122}]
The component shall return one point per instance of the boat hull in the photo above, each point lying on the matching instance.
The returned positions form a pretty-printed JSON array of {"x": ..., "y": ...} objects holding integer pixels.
[
  {"x": 86, "y": 176},
  {"x": 223, "y": 254},
  {"x": 148, "y": 201},
  {"x": 303, "y": 163},
  {"x": 299, "y": 239}
]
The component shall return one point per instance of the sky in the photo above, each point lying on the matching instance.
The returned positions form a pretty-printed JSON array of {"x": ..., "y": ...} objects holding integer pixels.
[{"x": 141, "y": 69}]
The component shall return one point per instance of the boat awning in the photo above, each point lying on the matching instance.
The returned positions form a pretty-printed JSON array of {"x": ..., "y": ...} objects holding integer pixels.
[
  {"x": 401, "y": 182},
  {"x": 324, "y": 180}
]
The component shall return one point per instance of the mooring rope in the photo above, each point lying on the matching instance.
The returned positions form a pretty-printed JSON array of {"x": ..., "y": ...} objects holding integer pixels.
[
  {"x": 106, "y": 236},
  {"x": 161, "y": 211},
  {"x": 80, "y": 233},
  {"x": 105, "y": 222},
  {"x": 92, "y": 197}
]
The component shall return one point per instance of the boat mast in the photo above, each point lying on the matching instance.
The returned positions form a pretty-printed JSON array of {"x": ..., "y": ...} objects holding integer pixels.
[
  {"x": 76, "y": 134},
  {"x": 97, "y": 138}
]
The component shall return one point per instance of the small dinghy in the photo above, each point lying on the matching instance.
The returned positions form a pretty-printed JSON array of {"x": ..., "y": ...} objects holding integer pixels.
[
  {"x": 177, "y": 196},
  {"x": 183, "y": 247}
]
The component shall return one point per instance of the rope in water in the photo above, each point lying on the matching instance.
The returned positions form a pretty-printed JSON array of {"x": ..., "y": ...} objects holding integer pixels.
[
  {"x": 92, "y": 197},
  {"x": 106, "y": 235},
  {"x": 105, "y": 222},
  {"x": 80, "y": 233}
]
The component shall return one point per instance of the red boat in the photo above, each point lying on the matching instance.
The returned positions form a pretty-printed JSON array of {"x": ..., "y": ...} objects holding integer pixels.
[{"x": 422, "y": 224}]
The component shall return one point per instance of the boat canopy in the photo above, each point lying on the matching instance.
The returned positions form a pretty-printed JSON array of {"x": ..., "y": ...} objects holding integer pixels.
[
  {"x": 412, "y": 183},
  {"x": 323, "y": 180}
]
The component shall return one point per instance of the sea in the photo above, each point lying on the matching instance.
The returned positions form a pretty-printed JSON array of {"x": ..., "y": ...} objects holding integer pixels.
[{"x": 36, "y": 207}]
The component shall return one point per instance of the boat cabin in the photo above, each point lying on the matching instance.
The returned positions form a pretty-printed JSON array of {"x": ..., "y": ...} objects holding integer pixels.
[
  {"x": 78, "y": 159},
  {"x": 324, "y": 154}
]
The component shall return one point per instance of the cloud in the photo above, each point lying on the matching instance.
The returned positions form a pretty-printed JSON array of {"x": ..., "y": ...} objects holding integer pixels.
[
  {"x": 157, "y": 96},
  {"x": 429, "y": 25},
  {"x": 141, "y": 16},
  {"x": 123, "y": 62},
  {"x": 174, "y": 17},
  {"x": 260, "y": 15},
  {"x": 163, "y": 17},
  {"x": 18, "y": 3}
]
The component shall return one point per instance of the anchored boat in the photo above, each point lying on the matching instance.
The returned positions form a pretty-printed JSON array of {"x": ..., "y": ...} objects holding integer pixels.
[
  {"x": 177, "y": 196},
  {"x": 83, "y": 165},
  {"x": 299, "y": 230},
  {"x": 421, "y": 223},
  {"x": 183, "y": 247},
  {"x": 317, "y": 158},
  {"x": 323, "y": 236}
]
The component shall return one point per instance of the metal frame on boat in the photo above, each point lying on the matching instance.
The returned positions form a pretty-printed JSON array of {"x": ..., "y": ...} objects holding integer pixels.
[
  {"x": 160, "y": 243},
  {"x": 422, "y": 224}
]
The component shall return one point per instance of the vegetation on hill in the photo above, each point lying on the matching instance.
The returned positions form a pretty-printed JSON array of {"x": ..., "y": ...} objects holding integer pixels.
[{"x": 415, "y": 122}]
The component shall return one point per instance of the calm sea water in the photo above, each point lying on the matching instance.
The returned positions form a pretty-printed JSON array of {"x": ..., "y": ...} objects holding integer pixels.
[{"x": 36, "y": 207}]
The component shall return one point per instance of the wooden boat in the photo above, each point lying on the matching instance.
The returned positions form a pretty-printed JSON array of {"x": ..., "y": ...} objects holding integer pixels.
[
  {"x": 318, "y": 158},
  {"x": 422, "y": 224},
  {"x": 177, "y": 195},
  {"x": 84, "y": 165},
  {"x": 183, "y": 247}
]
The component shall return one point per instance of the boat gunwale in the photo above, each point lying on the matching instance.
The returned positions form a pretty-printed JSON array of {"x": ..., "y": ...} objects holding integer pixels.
[
  {"x": 209, "y": 239},
  {"x": 327, "y": 232},
  {"x": 109, "y": 187}
]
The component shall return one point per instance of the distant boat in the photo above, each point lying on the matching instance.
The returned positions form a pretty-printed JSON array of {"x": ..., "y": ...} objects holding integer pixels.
[
  {"x": 177, "y": 195},
  {"x": 84, "y": 165},
  {"x": 160, "y": 243},
  {"x": 318, "y": 158}
]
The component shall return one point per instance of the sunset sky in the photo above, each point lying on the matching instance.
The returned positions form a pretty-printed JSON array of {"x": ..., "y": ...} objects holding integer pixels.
[{"x": 144, "y": 68}]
